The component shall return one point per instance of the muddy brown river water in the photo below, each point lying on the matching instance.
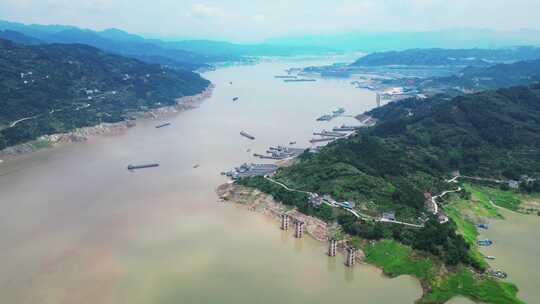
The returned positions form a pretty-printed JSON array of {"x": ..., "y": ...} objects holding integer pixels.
[{"x": 77, "y": 227}]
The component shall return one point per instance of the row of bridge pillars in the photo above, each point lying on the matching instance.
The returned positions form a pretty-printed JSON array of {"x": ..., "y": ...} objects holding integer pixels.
[
  {"x": 298, "y": 225},
  {"x": 332, "y": 243}
]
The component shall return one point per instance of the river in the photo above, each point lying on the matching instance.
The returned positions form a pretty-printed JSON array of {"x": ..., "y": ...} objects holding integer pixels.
[
  {"x": 516, "y": 248},
  {"x": 77, "y": 227}
]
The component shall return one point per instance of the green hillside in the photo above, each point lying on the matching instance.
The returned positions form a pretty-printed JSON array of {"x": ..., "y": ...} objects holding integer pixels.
[{"x": 62, "y": 87}]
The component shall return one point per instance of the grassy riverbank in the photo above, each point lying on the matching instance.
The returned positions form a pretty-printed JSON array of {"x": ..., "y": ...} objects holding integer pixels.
[
  {"x": 439, "y": 286},
  {"x": 440, "y": 279}
]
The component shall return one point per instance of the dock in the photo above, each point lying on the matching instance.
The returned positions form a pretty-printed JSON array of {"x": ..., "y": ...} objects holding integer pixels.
[
  {"x": 330, "y": 134},
  {"x": 280, "y": 152},
  {"x": 315, "y": 140},
  {"x": 345, "y": 128},
  {"x": 250, "y": 170}
]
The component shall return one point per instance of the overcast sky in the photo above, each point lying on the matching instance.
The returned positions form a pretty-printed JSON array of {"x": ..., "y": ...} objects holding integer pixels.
[{"x": 251, "y": 20}]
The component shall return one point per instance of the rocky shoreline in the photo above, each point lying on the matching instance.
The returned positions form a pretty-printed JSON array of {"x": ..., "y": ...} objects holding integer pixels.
[
  {"x": 257, "y": 201},
  {"x": 105, "y": 129}
]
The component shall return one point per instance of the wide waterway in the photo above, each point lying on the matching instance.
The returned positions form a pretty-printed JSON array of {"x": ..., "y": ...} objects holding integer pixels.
[{"x": 77, "y": 227}]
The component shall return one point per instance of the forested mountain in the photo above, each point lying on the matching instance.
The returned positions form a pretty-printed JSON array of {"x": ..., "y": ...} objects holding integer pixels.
[
  {"x": 416, "y": 142},
  {"x": 60, "y": 87},
  {"x": 449, "y": 57}
]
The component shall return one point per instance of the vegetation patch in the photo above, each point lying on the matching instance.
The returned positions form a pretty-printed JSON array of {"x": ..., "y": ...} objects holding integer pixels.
[
  {"x": 40, "y": 144},
  {"x": 396, "y": 259},
  {"x": 503, "y": 198},
  {"x": 465, "y": 283}
]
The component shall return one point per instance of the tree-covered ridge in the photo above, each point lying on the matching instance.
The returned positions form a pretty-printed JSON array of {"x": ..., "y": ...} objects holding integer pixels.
[
  {"x": 491, "y": 77},
  {"x": 493, "y": 133},
  {"x": 417, "y": 143},
  {"x": 62, "y": 87},
  {"x": 449, "y": 57}
]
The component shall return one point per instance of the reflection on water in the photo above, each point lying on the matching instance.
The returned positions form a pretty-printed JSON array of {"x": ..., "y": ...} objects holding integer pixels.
[{"x": 77, "y": 227}]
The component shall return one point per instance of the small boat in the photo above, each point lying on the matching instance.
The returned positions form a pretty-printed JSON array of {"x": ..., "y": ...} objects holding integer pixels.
[
  {"x": 325, "y": 118},
  {"x": 497, "y": 273},
  {"x": 163, "y": 125},
  {"x": 292, "y": 143},
  {"x": 485, "y": 242},
  {"x": 338, "y": 111},
  {"x": 490, "y": 257},
  {"x": 196, "y": 166},
  {"x": 235, "y": 99},
  {"x": 483, "y": 226}
]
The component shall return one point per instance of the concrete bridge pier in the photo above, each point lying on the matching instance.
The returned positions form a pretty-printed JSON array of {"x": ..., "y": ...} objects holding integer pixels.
[
  {"x": 298, "y": 229},
  {"x": 284, "y": 221},
  {"x": 332, "y": 247},
  {"x": 351, "y": 256}
]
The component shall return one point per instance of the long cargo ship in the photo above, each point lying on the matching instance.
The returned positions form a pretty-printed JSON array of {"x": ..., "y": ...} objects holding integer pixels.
[
  {"x": 247, "y": 135},
  {"x": 135, "y": 167},
  {"x": 163, "y": 125},
  {"x": 299, "y": 80}
]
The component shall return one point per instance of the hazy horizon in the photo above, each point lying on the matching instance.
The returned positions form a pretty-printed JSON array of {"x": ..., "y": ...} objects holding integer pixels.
[{"x": 256, "y": 21}]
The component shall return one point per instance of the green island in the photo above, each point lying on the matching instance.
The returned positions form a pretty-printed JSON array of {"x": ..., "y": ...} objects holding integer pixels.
[{"x": 489, "y": 141}]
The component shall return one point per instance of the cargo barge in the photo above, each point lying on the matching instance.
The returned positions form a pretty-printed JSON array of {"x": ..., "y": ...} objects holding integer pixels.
[
  {"x": 299, "y": 80},
  {"x": 163, "y": 125},
  {"x": 136, "y": 167},
  {"x": 247, "y": 135}
]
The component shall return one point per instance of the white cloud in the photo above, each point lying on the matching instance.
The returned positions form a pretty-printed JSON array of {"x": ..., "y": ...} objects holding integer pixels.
[
  {"x": 202, "y": 10},
  {"x": 258, "y": 18}
]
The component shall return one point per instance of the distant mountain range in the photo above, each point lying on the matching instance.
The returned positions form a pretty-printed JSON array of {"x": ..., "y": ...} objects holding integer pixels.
[
  {"x": 54, "y": 88},
  {"x": 449, "y": 57},
  {"x": 189, "y": 54},
  {"x": 385, "y": 41}
]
